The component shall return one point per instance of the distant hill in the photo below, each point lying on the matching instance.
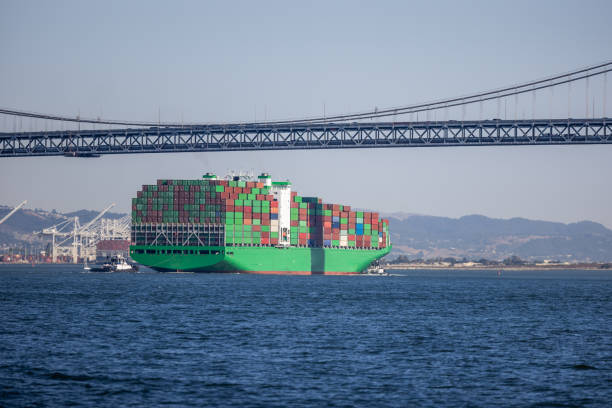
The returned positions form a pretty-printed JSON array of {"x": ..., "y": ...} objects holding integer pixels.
[
  {"x": 87, "y": 215},
  {"x": 18, "y": 229},
  {"x": 418, "y": 236},
  {"x": 476, "y": 236}
]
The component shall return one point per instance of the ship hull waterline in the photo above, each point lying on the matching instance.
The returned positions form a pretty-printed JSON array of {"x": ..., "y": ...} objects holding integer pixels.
[{"x": 257, "y": 259}]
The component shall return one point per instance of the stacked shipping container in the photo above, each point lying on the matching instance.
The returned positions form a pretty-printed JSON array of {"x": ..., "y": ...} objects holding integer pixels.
[
  {"x": 334, "y": 225},
  {"x": 249, "y": 213}
]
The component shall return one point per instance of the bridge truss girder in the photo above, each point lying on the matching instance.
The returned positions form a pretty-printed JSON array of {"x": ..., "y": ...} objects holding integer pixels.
[{"x": 316, "y": 136}]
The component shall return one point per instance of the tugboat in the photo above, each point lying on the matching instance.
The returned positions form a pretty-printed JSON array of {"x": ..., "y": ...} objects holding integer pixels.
[
  {"x": 375, "y": 269},
  {"x": 115, "y": 264}
]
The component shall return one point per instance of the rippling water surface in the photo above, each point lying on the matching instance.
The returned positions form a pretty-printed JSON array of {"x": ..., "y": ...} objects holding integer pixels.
[{"x": 425, "y": 338}]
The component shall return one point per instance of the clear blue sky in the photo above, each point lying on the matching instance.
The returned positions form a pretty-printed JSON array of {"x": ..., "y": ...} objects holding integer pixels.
[{"x": 229, "y": 61}]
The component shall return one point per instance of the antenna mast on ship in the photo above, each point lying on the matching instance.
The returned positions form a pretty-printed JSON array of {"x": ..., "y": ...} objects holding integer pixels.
[{"x": 240, "y": 175}]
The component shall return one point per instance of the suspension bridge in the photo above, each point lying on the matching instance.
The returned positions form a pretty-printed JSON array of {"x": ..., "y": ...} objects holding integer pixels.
[{"x": 391, "y": 127}]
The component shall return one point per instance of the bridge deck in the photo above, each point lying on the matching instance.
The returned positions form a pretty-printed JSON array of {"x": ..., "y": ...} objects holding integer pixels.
[{"x": 85, "y": 143}]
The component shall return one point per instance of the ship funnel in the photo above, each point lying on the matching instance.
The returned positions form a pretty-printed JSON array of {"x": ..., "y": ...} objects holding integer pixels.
[
  {"x": 266, "y": 179},
  {"x": 209, "y": 176}
]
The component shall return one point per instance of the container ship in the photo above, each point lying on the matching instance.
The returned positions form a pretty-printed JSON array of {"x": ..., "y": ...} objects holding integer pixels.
[{"x": 238, "y": 225}]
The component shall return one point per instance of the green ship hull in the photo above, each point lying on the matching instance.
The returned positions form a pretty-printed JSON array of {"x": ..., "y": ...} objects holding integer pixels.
[{"x": 264, "y": 259}]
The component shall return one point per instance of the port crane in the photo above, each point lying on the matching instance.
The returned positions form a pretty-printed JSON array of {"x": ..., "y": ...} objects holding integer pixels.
[
  {"x": 13, "y": 211},
  {"x": 80, "y": 241}
]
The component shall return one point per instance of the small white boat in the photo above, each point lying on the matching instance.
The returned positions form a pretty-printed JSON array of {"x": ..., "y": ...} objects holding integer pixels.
[
  {"x": 115, "y": 264},
  {"x": 375, "y": 271},
  {"x": 86, "y": 267}
]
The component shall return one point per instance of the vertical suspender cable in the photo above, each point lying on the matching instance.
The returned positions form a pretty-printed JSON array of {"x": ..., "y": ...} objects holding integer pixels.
[
  {"x": 533, "y": 104},
  {"x": 505, "y": 108},
  {"x": 498, "y": 107},
  {"x": 550, "y": 104},
  {"x": 516, "y": 106},
  {"x": 605, "y": 91},
  {"x": 586, "y": 97},
  {"x": 569, "y": 92}
]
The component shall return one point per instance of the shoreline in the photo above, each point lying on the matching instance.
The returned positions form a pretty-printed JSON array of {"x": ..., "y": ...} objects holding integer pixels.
[{"x": 585, "y": 267}]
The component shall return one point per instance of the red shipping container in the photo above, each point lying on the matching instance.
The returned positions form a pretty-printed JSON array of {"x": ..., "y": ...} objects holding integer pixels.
[
  {"x": 294, "y": 223},
  {"x": 265, "y": 241},
  {"x": 256, "y": 228}
]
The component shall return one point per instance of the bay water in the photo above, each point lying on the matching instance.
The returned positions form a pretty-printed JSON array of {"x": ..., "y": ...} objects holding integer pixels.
[{"x": 422, "y": 338}]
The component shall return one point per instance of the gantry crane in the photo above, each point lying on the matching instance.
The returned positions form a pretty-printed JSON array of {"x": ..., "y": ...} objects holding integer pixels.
[
  {"x": 79, "y": 241},
  {"x": 13, "y": 211}
]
